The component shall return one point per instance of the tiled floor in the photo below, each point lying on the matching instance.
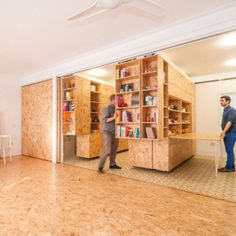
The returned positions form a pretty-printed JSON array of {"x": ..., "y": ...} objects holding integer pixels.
[
  {"x": 38, "y": 198},
  {"x": 196, "y": 175}
]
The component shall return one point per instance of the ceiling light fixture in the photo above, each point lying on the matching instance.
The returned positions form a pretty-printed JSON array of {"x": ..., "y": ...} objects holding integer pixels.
[
  {"x": 229, "y": 40},
  {"x": 231, "y": 62},
  {"x": 97, "y": 72}
]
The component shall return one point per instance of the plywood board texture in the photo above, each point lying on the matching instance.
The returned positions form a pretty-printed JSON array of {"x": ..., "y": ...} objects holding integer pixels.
[
  {"x": 140, "y": 153},
  {"x": 82, "y": 99},
  {"x": 161, "y": 154},
  {"x": 37, "y": 120}
]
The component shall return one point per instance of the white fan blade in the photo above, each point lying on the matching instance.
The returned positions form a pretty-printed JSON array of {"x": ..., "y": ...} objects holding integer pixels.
[
  {"x": 92, "y": 10},
  {"x": 148, "y": 6}
]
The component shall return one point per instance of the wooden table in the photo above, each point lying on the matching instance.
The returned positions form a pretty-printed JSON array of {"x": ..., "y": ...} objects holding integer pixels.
[{"x": 207, "y": 137}]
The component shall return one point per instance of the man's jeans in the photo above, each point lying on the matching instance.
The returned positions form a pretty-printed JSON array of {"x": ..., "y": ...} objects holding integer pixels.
[{"x": 229, "y": 140}]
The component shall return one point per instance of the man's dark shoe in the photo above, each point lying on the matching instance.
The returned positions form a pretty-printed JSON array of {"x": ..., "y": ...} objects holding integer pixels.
[
  {"x": 100, "y": 170},
  {"x": 223, "y": 169},
  {"x": 115, "y": 167}
]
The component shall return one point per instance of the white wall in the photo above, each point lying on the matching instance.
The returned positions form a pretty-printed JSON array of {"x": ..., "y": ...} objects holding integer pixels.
[
  {"x": 10, "y": 111},
  {"x": 208, "y": 110}
]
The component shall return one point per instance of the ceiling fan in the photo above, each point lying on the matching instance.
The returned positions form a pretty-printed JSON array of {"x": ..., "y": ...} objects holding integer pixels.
[{"x": 101, "y": 6}]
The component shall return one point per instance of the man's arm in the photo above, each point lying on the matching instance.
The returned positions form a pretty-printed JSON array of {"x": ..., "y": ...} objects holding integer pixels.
[
  {"x": 111, "y": 118},
  {"x": 227, "y": 126}
]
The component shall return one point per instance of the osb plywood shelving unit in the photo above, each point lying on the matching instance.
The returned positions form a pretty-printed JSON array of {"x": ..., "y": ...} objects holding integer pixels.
[
  {"x": 164, "y": 106},
  {"x": 128, "y": 100},
  {"x": 68, "y": 87},
  {"x": 92, "y": 98}
]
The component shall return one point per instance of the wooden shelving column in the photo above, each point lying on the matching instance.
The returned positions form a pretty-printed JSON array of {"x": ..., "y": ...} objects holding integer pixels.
[
  {"x": 128, "y": 100},
  {"x": 180, "y": 116},
  {"x": 166, "y": 102},
  {"x": 186, "y": 117},
  {"x": 95, "y": 110},
  {"x": 149, "y": 90},
  {"x": 68, "y": 86}
]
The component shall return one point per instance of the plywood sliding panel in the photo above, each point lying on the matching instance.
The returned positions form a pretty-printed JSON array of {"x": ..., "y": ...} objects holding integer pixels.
[
  {"x": 106, "y": 92},
  {"x": 82, "y": 99},
  {"x": 83, "y": 146},
  {"x": 140, "y": 153},
  {"x": 37, "y": 120}
]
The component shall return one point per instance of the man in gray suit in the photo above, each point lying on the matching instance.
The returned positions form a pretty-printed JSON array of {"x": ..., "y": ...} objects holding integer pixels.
[{"x": 110, "y": 143}]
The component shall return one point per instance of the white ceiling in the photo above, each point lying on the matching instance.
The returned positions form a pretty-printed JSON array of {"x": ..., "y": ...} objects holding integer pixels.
[
  {"x": 204, "y": 57},
  {"x": 35, "y": 34},
  {"x": 200, "y": 60}
]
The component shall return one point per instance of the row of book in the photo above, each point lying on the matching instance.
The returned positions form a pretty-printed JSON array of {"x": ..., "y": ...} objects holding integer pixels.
[
  {"x": 124, "y": 116},
  {"x": 124, "y": 131},
  {"x": 69, "y": 106},
  {"x": 150, "y": 132}
]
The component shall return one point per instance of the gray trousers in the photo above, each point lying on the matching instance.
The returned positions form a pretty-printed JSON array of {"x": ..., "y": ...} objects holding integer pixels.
[{"x": 110, "y": 145}]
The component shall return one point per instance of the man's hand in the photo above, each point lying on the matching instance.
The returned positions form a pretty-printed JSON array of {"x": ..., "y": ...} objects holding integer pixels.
[{"x": 222, "y": 135}]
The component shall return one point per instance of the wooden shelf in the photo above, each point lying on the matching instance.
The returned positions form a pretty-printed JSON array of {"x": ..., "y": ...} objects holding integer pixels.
[
  {"x": 175, "y": 111},
  {"x": 149, "y": 73},
  {"x": 149, "y": 122},
  {"x": 95, "y": 102},
  {"x": 128, "y": 138},
  {"x": 186, "y": 112},
  {"x": 123, "y": 93},
  {"x": 175, "y": 123},
  {"x": 129, "y": 107},
  {"x": 149, "y": 106},
  {"x": 69, "y": 100},
  {"x": 95, "y": 123},
  {"x": 94, "y": 112},
  {"x": 128, "y": 77},
  {"x": 149, "y": 90},
  {"x": 69, "y": 89},
  {"x": 123, "y": 123}
]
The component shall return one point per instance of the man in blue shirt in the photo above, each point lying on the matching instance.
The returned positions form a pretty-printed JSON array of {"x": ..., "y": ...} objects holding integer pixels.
[{"x": 228, "y": 133}]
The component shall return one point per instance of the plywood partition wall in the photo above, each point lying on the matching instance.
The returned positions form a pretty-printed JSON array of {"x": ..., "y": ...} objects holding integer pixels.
[{"x": 37, "y": 120}]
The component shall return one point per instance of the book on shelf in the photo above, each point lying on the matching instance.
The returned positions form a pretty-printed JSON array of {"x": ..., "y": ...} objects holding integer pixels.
[
  {"x": 69, "y": 106},
  {"x": 127, "y": 132},
  {"x": 150, "y": 132},
  {"x": 126, "y": 72},
  {"x": 124, "y": 116}
]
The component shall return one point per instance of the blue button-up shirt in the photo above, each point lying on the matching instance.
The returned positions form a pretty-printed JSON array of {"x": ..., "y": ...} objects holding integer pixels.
[{"x": 229, "y": 114}]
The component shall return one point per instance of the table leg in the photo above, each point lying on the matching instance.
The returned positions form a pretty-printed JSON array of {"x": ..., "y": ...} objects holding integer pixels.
[{"x": 216, "y": 160}]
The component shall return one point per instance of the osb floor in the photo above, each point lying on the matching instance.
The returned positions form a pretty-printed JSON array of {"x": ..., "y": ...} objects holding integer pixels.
[
  {"x": 196, "y": 175},
  {"x": 39, "y": 198}
]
